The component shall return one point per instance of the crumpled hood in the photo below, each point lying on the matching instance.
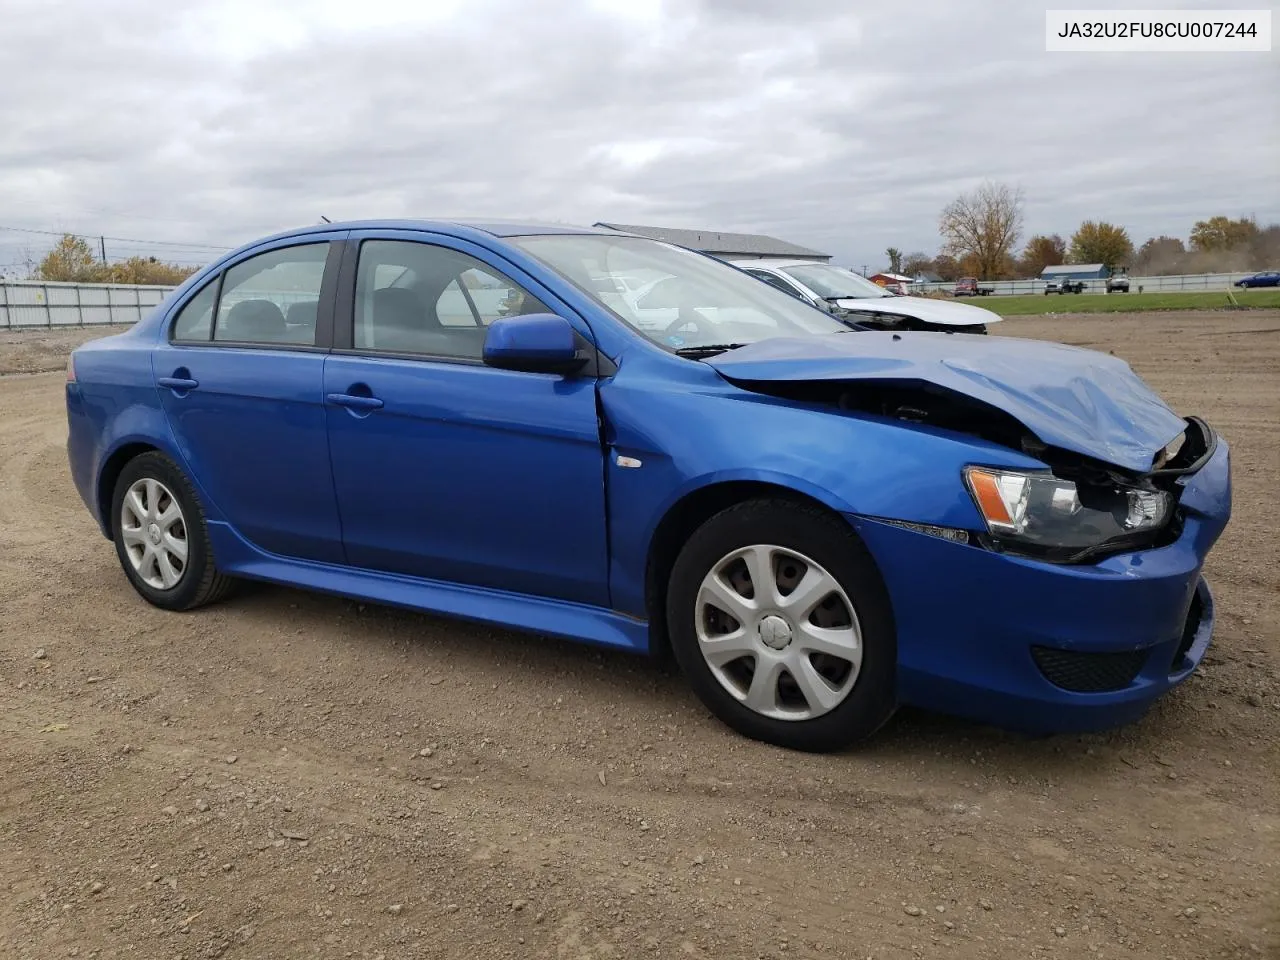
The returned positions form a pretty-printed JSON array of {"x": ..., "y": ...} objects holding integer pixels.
[
  {"x": 1080, "y": 400},
  {"x": 923, "y": 308}
]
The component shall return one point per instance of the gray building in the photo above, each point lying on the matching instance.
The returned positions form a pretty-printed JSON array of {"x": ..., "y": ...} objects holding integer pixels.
[
  {"x": 724, "y": 245},
  {"x": 1074, "y": 271}
]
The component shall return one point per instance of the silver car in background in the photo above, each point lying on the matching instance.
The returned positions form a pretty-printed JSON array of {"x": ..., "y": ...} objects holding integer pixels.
[{"x": 856, "y": 299}]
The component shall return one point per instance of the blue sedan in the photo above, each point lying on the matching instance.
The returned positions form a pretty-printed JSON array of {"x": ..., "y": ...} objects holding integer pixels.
[
  {"x": 1268, "y": 278},
  {"x": 600, "y": 436}
]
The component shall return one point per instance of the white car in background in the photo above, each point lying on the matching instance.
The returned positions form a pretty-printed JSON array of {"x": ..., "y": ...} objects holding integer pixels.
[{"x": 856, "y": 299}]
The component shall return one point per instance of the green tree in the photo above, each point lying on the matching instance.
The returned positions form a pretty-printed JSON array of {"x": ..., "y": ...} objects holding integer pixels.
[
  {"x": 1223, "y": 233},
  {"x": 1100, "y": 242},
  {"x": 71, "y": 260},
  {"x": 895, "y": 259},
  {"x": 1040, "y": 252},
  {"x": 980, "y": 228}
]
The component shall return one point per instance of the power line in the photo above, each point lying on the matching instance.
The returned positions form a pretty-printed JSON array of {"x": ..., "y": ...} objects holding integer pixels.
[{"x": 153, "y": 243}]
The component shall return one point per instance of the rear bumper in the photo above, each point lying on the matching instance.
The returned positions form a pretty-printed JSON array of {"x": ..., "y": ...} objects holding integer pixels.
[
  {"x": 80, "y": 449},
  {"x": 1051, "y": 648}
]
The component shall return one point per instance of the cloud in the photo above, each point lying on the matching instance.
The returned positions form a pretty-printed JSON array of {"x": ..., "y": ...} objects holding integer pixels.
[{"x": 215, "y": 121}]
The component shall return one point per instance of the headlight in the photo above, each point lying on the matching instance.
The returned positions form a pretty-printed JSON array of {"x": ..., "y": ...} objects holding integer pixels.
[{"x": 1054, "y": 516}]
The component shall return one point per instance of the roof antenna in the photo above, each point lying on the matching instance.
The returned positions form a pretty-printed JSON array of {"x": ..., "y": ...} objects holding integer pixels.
[{"x": 325, "y": 219}]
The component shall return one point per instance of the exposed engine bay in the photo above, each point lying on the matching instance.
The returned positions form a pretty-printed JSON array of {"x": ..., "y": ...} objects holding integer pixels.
[
  {"x": 897, "y": 322},
  {"x": 1099, "y": 487}
]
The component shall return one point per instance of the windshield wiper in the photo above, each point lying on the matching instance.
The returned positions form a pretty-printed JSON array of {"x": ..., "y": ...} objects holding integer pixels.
[{"x": 707, "y": 349}]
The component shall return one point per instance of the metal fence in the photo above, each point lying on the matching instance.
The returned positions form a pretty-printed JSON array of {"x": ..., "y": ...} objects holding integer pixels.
[
  {"x": 29, "y": 303},
  {"x": 34, "y": 303},
  {"x": 1186, "y": 284}
]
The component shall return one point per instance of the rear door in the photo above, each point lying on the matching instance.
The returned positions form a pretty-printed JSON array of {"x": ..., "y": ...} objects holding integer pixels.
[
  {"x": 240, "y": 373},
  {"x": 446, "y": 468}
]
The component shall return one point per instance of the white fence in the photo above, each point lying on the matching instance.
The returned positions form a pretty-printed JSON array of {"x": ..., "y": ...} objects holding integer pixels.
[
  {"x": 31, "y": 303},
  {"x": 1185, "y": 284}
]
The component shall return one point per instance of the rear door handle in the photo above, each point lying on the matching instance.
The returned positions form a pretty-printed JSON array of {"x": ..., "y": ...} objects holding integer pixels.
[
  {"x": 178, "y": 383},
  {"x": 353, "y": 402}
]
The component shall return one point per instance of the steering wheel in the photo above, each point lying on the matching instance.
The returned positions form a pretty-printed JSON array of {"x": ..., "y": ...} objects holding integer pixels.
[{"x": 684, "y": 318}]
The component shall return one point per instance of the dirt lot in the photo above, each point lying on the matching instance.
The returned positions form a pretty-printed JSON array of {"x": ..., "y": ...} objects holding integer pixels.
[{"x": 290, "y": 775}]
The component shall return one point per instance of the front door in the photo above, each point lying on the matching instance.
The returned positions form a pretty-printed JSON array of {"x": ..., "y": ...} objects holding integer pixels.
[
  {"x": 446, "y": 468},
  {"x": 239, "y": 377}
]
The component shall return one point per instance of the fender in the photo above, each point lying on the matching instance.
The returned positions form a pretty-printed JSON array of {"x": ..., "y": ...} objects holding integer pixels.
[
  {"x": 706, "y": 431},
  {"x": 139, "y": 424}
]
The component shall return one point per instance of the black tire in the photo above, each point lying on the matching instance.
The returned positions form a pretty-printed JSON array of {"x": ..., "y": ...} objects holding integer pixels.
[
  {"x": 200, "y": 583},
  {"x": 830, "y": 542}
]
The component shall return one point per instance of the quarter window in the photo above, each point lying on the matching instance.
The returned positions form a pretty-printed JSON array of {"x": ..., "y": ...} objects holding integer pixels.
[
  {"x": 195, "y": 319},
  {"x": 273, "y": 298},
  {"x": 425, "y": 299}
]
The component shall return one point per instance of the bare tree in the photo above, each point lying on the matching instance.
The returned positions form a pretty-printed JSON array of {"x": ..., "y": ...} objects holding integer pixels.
[
  {"x": 982, "y": 227},
  {"x": 1160, "y": 255},
  {"x": 914, "y": 264}
]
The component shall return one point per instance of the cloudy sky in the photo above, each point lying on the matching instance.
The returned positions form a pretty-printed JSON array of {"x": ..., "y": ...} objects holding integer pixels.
[{"x": 839, "y": 125}]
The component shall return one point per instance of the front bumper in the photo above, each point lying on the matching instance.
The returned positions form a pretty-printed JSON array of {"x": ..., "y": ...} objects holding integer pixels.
[{"x": 974, "y": 626}]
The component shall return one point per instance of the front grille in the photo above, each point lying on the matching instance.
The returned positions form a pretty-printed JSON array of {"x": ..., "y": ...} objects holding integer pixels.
[{"x": 1089, "y": 672}]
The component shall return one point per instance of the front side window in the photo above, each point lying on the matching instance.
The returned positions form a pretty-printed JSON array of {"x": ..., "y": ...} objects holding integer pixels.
[
  {"x": 272, "y": 298},
  {"x": 692, "y": 302},
  {"x": 773, "y": 281},
  {"x": 419, "y": 298}
]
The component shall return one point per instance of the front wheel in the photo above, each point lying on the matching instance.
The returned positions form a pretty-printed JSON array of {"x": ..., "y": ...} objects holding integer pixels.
[
  {"x": 160, "y": 535},
  {"x": 779, "y": 618}
]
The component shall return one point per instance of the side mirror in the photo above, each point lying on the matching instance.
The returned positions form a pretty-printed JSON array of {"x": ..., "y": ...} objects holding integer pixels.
[{"x": 534, "y": 343}]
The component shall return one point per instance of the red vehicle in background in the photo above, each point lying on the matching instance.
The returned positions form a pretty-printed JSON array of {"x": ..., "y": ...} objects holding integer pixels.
[{"x": 968, "y": 287}]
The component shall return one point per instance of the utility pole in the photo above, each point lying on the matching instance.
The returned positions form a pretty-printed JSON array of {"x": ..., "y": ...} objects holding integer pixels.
[{"x": 102, "y": 248}]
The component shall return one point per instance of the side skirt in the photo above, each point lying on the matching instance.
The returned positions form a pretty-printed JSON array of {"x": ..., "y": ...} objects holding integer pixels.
[{"x": 574, "y": 621}]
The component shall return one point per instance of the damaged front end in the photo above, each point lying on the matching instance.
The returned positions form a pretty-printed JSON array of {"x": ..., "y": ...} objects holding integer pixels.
[
  {"x": 1078, "y": 510},
  {"x": 880, "y": 320}
]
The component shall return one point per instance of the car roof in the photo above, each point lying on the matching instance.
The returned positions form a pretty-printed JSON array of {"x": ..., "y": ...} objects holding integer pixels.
[{"x": 497, "y": 228}]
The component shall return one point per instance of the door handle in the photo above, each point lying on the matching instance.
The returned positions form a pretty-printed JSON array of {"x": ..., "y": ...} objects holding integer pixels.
[
  {"x": 353, "y": 402},
  {"x": 178, "y": 383}
]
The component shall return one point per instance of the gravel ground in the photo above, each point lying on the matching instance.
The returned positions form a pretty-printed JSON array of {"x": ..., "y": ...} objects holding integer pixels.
[
  {"x": 291, "y": 775},
  {"x": 39, "y": 351}
]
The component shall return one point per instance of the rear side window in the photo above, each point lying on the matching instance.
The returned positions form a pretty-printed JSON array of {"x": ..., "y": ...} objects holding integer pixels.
[
  {"x": 195, "y": 320},
  {"x": 272, "y": 298}
]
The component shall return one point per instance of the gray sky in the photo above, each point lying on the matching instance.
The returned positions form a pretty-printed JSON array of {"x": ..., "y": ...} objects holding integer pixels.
[{"x": 827, "y": 123}]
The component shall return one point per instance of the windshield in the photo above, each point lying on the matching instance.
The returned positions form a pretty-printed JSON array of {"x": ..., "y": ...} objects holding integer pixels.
[
  {"x": 834, "y": 283},
  {"x": 687, "y": 301}
]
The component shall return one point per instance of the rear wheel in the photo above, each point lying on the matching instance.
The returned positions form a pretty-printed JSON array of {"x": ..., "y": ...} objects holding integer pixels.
[
  {"x": 160, "y": 535},
  {"x": 779, "y": 618}
]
